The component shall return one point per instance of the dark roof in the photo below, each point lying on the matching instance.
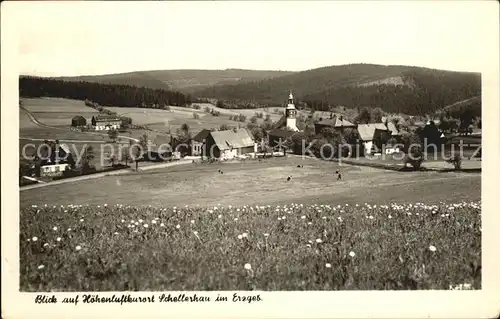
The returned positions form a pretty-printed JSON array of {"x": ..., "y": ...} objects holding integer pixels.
[
  {"x": 280, "y": 123},
  {"x": 336, "y": 121},
  {"x": 160, "y": 140},
  {"x": 367, "y": 131},
  {"x": 281, "y": 133},
  {"x": 202, "y": 135},
  {"x": 233, "y": 139},
  {"x": 106, "y": 118},
  {"x": 391, "y": 127}
]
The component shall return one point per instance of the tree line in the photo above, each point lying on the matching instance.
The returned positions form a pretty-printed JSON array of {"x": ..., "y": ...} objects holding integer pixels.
[{"x": 104, "y": 94}]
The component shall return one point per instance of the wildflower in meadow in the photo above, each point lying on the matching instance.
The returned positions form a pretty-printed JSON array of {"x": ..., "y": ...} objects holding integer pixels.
[
  {"x": 41, "y": 267},
  {"x": 248, "y": 266},
  {"x": 145, "y": 225},
  {"x": 46, "y": 244},
  {"x": 308, "y": 245},
  {"x": 244, "y": 235},
  {"x": 309, "y": 223},
  {"x": 77, "y": 248},
  {"x": 389, "y": 216},
  {"x": 240, "y": 237},
  {"x": 116, "y": 233},
  {"x": 328, "y": 265},
  {"x": 140, "y": 221},
  {"x": 319, "y": 241},
  {"x": 162, "y": 225},
  {"x": 195, "y": 233},
  {"x": 58, "y": 238},
  {"x": 220, "y": 216},
  {"x": 55, "y": 228},
  {"x": 34, "y": 238},
  {"x": 352, "y": 254},
  {"x": 81, "y": 220},
  {"x": 303, "y": 217},
  {"x": 153, "y": 221},
  {"x": 192, "y": 221},
  {"x": 123, "y": 220},
  {"x": 178, "y": 226},
  {"x": 279, "y": 218},
  {"x": 236, "y": 219},
  {"x": 266, "y": 235},
  {"x": 432, "y": 248}
]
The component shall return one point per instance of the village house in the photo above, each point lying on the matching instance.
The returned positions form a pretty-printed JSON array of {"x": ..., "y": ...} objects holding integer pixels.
[
  {"x": 106, "y": 122},
  {"x": 56, "y": 161},
  {"x": 198, "y": 142},
  {"x": 368, "y": 133},
  {"x": 229, "y": 144},
  {"x": 336, "y": 122}
]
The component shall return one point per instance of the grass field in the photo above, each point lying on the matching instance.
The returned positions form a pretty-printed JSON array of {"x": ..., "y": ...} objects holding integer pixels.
[
  {"x": 258, "y": 182},
  {"x": 292, "y": 247},
  {"x": 178, "y": 224},
  {"x": 56, "y": 105}
]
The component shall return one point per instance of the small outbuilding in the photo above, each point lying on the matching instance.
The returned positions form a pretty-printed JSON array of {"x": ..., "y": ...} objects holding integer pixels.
[{"x": 78, "y": 121}]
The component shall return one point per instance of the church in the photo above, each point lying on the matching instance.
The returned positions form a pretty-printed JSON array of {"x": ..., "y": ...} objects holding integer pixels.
[{"x": 286, "y": 126}]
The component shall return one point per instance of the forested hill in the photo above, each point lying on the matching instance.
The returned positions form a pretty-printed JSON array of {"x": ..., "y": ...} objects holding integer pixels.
[
  {"x": 185, "y": 81},
  {"x": 103, "y": 94},
  {"x": 395, "y": 89}
]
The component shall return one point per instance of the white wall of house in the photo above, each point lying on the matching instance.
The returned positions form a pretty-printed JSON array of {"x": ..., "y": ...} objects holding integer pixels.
[
  {"x": 52, "y": 170},
  {"x": 392, "y": 150},
  {"x": 229, "y": 154},
  {"x": 106, "y": 126},
  {"x": 196, "y": 148},
  {"x": 368, "y": 147}
]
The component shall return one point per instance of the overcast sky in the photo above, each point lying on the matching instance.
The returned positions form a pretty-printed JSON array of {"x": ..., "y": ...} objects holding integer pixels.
[{"x": 75, "y": 38}]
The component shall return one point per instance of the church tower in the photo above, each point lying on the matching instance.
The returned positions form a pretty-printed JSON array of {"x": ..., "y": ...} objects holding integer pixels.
[{"x": 291, "y": 113}]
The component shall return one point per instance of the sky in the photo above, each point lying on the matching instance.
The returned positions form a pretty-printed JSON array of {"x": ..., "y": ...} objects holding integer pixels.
[{"x": 89, "y": 38}]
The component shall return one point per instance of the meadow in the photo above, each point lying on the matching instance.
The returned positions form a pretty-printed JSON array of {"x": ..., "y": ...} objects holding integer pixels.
[{"x": 397, "y": 246}]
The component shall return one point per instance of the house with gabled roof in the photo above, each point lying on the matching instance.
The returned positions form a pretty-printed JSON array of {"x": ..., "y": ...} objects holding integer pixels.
[
  {"x": 336, "y": 122},
  {"x": 369, "y": 132},
  {"x": 106, "y": 122},
  {"x": 198, "y": 142},
  {"x": 230, "y": 143}
]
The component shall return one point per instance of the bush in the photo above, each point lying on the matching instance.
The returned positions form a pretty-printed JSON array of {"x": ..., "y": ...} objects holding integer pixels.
[
  {"x": 196, "y": 115},
  {"x": 456, "y": 160},
  {"x": 196, "y": 106},
  {"x": 414, "y": 159}
]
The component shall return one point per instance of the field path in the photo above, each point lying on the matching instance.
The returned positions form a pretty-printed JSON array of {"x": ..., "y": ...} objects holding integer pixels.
[
  {"x": 37, "y": 122},
  {"x": 103, "y": 174}
]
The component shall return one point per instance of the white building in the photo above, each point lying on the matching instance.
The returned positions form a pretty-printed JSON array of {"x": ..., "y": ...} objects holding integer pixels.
[
  {"x": 104, "y": 123},
  {"x": 54, "y": 169},
  {"x": 291, "y": 115}
]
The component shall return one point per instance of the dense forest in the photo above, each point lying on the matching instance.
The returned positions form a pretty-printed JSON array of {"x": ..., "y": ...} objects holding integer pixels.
[
  {"x": 394, "y": 89},
  {"x": 103, "y": 94}
]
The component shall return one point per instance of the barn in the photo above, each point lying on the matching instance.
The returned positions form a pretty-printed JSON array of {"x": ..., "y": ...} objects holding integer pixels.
[
  {"x": 78, "y": 121},
  {"x": 230, "y": 143}
]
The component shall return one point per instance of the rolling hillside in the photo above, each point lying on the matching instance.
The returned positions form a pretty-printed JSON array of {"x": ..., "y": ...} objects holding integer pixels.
[
  {"x": 185, "y": 81},
  {"x": 398, "y": 89}
]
